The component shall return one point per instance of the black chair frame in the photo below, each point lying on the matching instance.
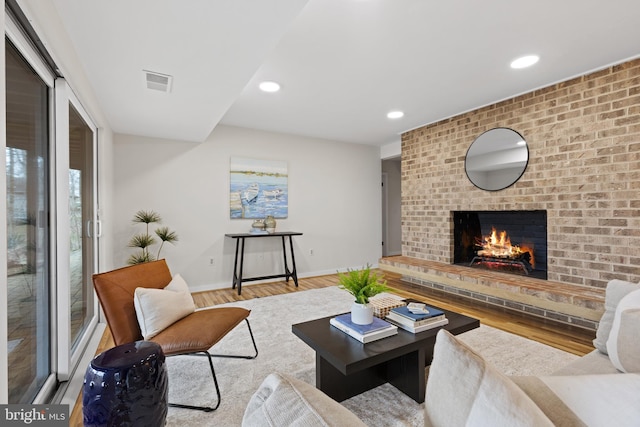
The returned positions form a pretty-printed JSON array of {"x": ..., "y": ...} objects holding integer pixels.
[{"x": 213, "y": 372}]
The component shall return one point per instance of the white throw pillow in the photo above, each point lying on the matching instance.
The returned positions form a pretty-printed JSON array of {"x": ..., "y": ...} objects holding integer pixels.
[
  {"x": 623, "y": 344},
  {"x": 616, "y": 290},
  {"x": 464, "y": 390},
  {"x": 282, "y": 400},
  {"x": 158, "y": 308}
]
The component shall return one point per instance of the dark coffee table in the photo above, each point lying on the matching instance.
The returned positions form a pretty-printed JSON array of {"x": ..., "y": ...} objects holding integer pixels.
[{"x": 346, "y": 367}]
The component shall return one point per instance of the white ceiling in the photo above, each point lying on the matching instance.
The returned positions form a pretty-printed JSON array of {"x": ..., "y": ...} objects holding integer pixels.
[{"x": 342, "y": 64}]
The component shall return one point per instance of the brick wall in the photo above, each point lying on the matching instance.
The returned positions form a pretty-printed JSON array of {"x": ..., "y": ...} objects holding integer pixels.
[{"x": 584, "y": 169}]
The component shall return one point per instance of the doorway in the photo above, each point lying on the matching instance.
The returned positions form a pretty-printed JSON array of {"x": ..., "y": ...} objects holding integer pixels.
[{"x": 391, "y": 207}]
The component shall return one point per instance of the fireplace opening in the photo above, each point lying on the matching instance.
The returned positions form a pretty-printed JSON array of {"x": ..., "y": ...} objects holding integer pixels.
[{"x": 507, "y": 241}]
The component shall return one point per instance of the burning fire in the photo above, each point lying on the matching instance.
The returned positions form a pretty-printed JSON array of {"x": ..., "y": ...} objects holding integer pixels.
[{"x": 498, "y": 245}]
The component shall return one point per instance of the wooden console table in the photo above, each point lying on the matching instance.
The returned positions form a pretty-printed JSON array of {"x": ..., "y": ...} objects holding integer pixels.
[{"x": 237, "y": 269}]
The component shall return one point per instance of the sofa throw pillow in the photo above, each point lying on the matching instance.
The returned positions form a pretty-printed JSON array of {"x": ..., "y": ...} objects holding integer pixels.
[
  {"x": 464, "y": 390},
  {"x": 158, "y": 308},
  {"x": 623, "y": 344},
  {"x": 282, "y": 400},
  {"x": 616, "y": 290}
]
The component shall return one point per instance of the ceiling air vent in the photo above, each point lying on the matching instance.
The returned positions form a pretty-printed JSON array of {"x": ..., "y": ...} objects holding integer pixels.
[{"x": 158, "y": 81}]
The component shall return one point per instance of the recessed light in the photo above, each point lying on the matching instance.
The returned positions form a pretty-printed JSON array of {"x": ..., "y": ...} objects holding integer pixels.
[
  {"x": 269, "y": 87},
  {"x": 395, "y": 114},
  {"x": 525, "y": 61}
]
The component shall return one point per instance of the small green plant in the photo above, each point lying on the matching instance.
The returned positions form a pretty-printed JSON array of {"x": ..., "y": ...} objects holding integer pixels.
[
  {"x": 145, "y": 240},
  {"x": 362, "y": 284}
]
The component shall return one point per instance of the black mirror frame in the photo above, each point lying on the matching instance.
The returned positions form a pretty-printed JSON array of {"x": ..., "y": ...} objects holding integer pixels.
[{"x": 526, "y": 147}]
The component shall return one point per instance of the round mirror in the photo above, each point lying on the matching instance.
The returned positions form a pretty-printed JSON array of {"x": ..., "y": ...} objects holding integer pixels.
[{"x": 496, "y": 159}]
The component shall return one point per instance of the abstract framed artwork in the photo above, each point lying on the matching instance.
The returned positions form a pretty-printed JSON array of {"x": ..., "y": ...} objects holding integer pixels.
[{"x": 258, "y": 188}]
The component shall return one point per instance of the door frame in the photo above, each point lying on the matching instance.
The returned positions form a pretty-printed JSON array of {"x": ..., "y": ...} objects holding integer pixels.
[
  {"x": 15, "y": 35},
  {"x": 68, "y": 356}
]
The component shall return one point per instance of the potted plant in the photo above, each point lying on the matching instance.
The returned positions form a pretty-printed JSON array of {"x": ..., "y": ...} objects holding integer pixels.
[
  {"x": 143, "y": 241},
  {"x": 362, "y": 284}
]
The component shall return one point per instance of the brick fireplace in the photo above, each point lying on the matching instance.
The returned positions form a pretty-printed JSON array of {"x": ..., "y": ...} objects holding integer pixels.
[{"x": 583, "y": 137}]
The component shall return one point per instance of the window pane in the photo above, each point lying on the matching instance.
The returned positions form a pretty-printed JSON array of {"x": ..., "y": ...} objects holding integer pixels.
[
  {"x": 27, "y": 228},
  {"x": 81, "y": 220}
]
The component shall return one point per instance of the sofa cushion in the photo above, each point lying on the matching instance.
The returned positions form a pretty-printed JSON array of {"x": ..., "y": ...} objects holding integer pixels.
[
  {"x": 282, "y": 400},
  {"x": 623, "y": 344},
  {"x": 589, "y": 364},
  {"x": 158, "y": 308},
  {"x": 552, "y": 406},
  {"x": 616, "y": 290},
  {"x": 464, "y": 390},
  {"x": 599, "y": 400}
]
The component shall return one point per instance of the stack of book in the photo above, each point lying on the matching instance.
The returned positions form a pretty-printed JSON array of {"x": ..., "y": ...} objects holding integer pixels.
[
  {"x": 364, "y": 333},
  {"x": 417, "y": 320}
]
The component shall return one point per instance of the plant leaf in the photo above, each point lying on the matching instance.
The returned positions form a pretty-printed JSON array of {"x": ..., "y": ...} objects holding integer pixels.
[
  {"x": 166, "y": 235},
  {"x": 362, "y": 284},
  {"x": 141, "y": 241},
  {"x": 146, "y": 217},
  {"x": 140, "y": 258}
]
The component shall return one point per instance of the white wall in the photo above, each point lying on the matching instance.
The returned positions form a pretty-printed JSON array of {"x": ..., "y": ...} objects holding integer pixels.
[
  {"x": 334, "y": 199},
  {"x": 391, "y": 150}
]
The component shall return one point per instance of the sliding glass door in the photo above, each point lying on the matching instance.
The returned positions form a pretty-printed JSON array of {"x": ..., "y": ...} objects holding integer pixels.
[
  {"x": 28, "y": 228},
  {"x": 52, "y": 232},
  {"x": 77, "y": 231},
  {"x": 81, "y": 223}
]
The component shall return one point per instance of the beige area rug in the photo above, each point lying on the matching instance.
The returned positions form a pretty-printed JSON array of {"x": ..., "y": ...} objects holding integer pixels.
[{"x": 280, "y": 350}]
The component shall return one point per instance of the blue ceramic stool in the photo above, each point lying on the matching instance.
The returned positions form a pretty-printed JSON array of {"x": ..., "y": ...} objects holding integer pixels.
[{"x": 126, "y": 386}]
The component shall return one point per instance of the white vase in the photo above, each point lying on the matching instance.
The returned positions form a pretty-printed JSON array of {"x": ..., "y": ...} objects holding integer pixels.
[{"x": 362, "y": 314}]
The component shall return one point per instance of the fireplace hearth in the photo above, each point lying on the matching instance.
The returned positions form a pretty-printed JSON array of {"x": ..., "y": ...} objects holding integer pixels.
[{"x": 507, "y": 241}]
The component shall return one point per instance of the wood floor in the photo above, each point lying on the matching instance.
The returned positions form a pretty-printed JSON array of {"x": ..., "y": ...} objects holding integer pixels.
[{"x": 567, "y": 338}]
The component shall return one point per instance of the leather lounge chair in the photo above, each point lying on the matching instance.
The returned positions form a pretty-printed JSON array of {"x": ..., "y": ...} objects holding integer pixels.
[{"x": 194, "y": 334}]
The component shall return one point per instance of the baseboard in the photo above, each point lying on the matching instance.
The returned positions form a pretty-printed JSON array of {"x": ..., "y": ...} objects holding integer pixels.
[{"x": 227, "y": 284}]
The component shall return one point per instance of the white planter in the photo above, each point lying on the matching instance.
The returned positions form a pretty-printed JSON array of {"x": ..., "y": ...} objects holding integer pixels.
[{"x": 362, "y": 314}]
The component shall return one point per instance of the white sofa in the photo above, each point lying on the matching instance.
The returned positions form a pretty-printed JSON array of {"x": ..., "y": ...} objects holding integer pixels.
[{"x": 598, "y": 389}]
